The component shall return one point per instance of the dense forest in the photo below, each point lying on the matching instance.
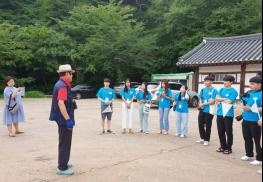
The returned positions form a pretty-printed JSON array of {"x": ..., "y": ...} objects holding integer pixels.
[{"x": 117, "y": 39}]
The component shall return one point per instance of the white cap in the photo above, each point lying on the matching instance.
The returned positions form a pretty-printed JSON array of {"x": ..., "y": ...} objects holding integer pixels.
[{"x": 65, "y": 68}]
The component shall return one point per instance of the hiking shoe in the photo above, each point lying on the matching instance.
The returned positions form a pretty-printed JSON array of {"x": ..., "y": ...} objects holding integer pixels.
[{"x": 68, "y": 172}]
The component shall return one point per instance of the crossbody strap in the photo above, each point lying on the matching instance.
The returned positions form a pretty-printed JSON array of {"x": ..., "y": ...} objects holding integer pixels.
[{"x": 10, "y": 98}]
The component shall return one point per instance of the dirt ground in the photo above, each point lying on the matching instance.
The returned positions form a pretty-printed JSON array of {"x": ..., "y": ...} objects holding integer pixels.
[{"x": 32, "y": 157}]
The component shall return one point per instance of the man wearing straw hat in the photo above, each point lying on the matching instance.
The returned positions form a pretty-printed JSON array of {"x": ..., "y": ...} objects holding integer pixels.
[{"x": 62, "y": 112}]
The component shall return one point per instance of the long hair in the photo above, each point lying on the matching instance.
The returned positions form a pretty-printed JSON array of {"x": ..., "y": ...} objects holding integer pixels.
[
  {"x": 146, "y": 92},
  {"x": 126, "y": 88},
  {"x": 180, "y": 95},
  {"x": 166, "y": 85}
]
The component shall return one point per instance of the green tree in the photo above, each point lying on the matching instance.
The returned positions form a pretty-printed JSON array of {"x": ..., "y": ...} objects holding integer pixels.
[
  {"x": 117, "y": 39},
  {"x": 12, "y": 52},
  {"x": 111, "y": 42},
  {"x": 47, "y": 49}
]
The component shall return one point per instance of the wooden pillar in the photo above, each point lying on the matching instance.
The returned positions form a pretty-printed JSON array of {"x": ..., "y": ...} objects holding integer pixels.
[
  {"x": 243, "y": 78},
  {"x": 196, "y": 80}
]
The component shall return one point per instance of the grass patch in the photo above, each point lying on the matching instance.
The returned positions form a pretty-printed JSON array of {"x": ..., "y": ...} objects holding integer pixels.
[{"x": 35, "y": 94}]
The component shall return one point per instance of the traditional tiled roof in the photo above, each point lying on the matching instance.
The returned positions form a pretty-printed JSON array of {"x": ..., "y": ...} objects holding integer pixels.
[{"x": 229, "y": 50}]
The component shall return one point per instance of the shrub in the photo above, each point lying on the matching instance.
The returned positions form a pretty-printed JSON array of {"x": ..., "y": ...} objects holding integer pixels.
[{"x": 34, "y": 94}]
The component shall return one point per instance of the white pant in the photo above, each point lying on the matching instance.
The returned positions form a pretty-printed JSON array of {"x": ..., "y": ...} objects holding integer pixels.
[{"x": 127, "y": 116}]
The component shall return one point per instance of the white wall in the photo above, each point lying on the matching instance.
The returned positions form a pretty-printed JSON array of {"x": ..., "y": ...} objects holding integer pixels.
[
  {"x": 254, "y": 67},
  {"x": 217, "y": 69},
  {"x": 248, "y": 77},
  {"x": 230, "y": 68}
]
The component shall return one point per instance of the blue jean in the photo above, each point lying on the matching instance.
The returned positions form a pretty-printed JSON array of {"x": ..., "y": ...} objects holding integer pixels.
[
  {"x": 143, "y": 119},
  {"x": 181, "y": 123},
  {"x": 164, "y": 119}
]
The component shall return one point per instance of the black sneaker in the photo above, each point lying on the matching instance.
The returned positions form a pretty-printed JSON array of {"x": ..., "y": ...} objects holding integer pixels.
[
  {"x": 110, "y": 132},
  {"x": 228, "y": 152},
  {"x": 220, "y": 150},
  {"x": 103, "y": 132}
]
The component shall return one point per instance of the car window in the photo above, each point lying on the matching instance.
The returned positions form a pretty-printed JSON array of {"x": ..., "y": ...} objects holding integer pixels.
[
  {"x": 151, "y": 87},
  {"x": 175, "y": 86},
  {"x": 136, "y": 86}
]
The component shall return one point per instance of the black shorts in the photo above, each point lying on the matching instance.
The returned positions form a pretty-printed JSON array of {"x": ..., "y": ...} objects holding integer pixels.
[{"x": 106, "y": 115}]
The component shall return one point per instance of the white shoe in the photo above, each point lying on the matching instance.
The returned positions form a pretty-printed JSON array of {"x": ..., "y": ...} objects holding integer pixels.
[
  {"x": 177, "y": 135},
  {"x": 206, "y": 143},
  {"x": 182, "y": 136},
  {"x": 246, "y": 158},
  {"x": 259, "y": 172},
  {"x": 256, "y": 163},
  {"x": 201, "y": 141}
]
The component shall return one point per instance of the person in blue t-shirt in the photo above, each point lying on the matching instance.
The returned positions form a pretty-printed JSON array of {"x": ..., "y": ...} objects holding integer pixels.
[
  {"x": 144, "y": 98},
  {"x": 128, "y": 95},
  {"x": 252, "y": 116},
  {"x": 165, "y": 96},
  {"x": 260, "y": 124},
  {"x": 207, "y": 110},
  {"x": 106, "y": 95},
  {"x": 225, "y": 118},
  {"x": 181, "y": 112}
]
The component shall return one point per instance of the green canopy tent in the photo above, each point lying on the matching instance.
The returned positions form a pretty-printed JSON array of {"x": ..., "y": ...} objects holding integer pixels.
[{"x": 184, "y": 78}]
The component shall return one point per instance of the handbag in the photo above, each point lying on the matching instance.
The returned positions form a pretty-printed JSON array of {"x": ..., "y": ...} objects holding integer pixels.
[
  {"x": 13, "y": 109},
  {"x": 107, "y": 109},
  {"x": 147, "y": 108}
]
